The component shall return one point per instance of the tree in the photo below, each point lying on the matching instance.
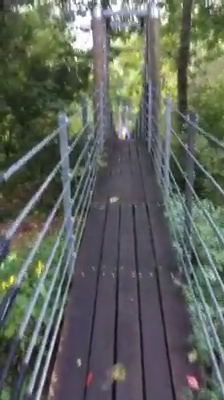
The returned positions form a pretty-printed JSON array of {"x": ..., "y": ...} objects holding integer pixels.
[{"x": 40, "y": 72}]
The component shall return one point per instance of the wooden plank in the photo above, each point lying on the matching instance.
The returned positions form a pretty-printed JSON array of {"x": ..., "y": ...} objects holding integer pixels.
[
  {"x": 129, "y": 184},
  {"x": 116, "y": 167},
  {"x": 102, "y": 188},
  {"x": 120, "y": 183},
  {"x": 102, "y": 349},
  {"x": 128, "y": 333},
  {"x": 125, "y": 164},
  {"x": 134, "y": 159},
  {"x": 136, "y": 170},
  {"x": 114, "y": 184},
  {"x": 109, "y": 185},
  {"x": 175, "y": 312},
  {"x": 71, "y": 364},
  {"x": 157, "y": 377},
  {"x": 152, "y": 190}
]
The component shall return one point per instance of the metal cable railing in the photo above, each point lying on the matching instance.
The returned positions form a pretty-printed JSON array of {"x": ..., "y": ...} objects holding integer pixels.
[
  {"x": 193, "y": 204},
  {"x": 34, "y": 295}
]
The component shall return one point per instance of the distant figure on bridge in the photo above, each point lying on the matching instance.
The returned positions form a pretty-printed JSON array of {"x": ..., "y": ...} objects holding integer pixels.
[{"x": 124, "y": 134}]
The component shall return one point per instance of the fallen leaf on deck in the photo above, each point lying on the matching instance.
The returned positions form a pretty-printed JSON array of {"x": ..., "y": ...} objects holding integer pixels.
[
  {"x": 79, "y": 362},
  {"x": 114, "y": 199},
  {"x": 117, "y": 373},
  {"x": 89, "y": 379}
]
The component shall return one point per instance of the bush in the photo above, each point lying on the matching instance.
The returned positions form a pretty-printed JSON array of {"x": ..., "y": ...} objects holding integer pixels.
[
  {"x": 208, "y": 102},
  {"x": 40, "y": 73},
  {"x": 205, "y": 275},
  {"x": 10, "y": 269}
]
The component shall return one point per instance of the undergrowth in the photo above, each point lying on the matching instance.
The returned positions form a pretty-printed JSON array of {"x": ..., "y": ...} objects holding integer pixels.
[
  {"x": 204, "y": 274},
  {"x": 9, "y": 271},
  {"x": 37, "y": 274}
]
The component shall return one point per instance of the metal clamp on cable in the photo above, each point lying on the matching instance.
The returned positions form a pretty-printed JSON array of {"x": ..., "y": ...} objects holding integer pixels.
[{"x": 4, "y": 247}]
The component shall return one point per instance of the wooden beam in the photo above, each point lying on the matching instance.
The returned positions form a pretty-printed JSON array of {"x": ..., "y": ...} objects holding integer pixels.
[
  {"x": 125, "y": 13},
  {"x": 123, "y": 25},
  {"x": 121, "y": 49}
]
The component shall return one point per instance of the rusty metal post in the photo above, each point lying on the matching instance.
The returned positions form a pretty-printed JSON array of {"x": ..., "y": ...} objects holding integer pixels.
[
  {"x": 189, "y": 180},
  {"x": 98, "y": 31}
]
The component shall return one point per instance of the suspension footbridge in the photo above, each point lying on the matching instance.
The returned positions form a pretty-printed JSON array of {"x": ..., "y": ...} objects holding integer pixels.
[{"x": 107, "y": 317}]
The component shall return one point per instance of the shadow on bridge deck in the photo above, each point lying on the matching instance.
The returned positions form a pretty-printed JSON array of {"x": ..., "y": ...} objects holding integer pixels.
[{"x": 124, "y": 306}]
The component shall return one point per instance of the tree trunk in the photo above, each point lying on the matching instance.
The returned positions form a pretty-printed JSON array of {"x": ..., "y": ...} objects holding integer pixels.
[{"x": 184, "y": 56}]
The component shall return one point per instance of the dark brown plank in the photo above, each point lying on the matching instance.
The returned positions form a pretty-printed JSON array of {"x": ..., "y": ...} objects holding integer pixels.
[
  {"x": 174, "y": 309},
  {"x": 102, "y": 349},
  {"x": 175, "y": 312},
  {"x": 116, "y": 167},
  {"x": 103, "y": 182},
  {"x": 136, "y": 170},
  {"x": 156, "y": 373},
  {"x": 108, "y": 180},
  {"x": 134, "y": 159},
  {"x": 152, "y": 190},
  {"x": 125, "y": 164},
  {"x": 71, "y": 364},
  {"x": 119, "y": 182},
  {"x": 128, "y": 333},
  {"x": 130, "y": 182}
]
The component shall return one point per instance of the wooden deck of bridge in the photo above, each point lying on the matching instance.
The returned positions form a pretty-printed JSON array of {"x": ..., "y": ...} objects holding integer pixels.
[{"x": 124, "y": 306}]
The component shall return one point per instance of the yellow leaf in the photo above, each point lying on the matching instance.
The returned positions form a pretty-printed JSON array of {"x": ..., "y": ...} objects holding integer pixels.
[
  {"x": 11, "y": 279},
  {"x": 4, "y": 285},
  {"x": 39, "y": 268},
  {"x": 117, "y": 373}
]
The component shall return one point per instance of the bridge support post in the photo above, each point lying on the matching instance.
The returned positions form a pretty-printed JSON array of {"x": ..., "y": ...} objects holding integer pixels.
[
  {"x": 149, "y": 115},
  {"x": 84, "y": 112},
  {"x": 189, "y": 181},
  {"x": 166, "y": 155},
  {"x": 138, "y": 126},
  {"x": 66, "y": 187},
  {"x": 144, "y": 111},
  {"x": 99, "y": 71},
  {"x": 84, "y": 115},
  {"x": 142, "y": 118},
  {"x": 106, "y": 77},
  {"x": 152, "y": 58},
  {"x": 85, "y": 126}
]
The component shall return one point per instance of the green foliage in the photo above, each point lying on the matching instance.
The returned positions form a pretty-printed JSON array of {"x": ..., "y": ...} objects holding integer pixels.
[
  {"x": 40, "y": 74},
  {"x": 9, "y": 270},
  {"x": 125, "y": 72},
  {"x": 208, "y": 100},
  {"x": 204, "y": 274}
]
